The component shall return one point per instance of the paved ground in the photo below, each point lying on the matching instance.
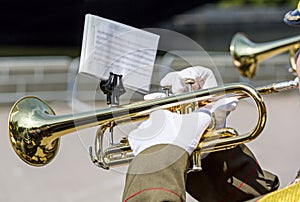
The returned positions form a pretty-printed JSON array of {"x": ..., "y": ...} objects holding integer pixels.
[{"x": 71, "y": 177}]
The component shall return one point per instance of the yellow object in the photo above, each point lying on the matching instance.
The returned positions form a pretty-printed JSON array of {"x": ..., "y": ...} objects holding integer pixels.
[{"x": 288, "y": 194}]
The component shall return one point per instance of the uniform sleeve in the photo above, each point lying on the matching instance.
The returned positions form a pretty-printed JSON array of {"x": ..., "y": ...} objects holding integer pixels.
[
  {"x": 157, "y": 174},
  {"x": 230, "y": 175}
]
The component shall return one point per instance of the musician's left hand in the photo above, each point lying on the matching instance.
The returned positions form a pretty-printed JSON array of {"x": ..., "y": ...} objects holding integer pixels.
[{"x": 165, "y": 127}]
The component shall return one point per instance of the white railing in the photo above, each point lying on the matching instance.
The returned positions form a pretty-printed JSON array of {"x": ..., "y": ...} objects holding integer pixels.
[
  {"x": 39, "y": 76},
  {"x": 52, "y": 78}
]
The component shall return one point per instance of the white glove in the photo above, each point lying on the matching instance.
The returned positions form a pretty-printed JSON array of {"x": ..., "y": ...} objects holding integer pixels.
[
  {"x": 204, "y": 78},
  {"x": 220, "y": 110},
  {"x": 164, "y": 127},
  {"x": 152, "y": 96}
]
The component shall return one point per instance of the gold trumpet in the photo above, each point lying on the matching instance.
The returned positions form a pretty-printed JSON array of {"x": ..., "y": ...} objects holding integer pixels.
[
  {"x": 35, "y": 130},
  {"x": 247, "y": 54}
]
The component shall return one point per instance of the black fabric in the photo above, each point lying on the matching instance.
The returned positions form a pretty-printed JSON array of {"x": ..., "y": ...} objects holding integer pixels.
[
  {"x": 231, "y": 175},
  {"x": 60, "y": 22}
]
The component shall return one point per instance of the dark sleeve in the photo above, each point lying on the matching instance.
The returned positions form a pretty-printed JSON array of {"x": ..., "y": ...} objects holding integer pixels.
[
  {"x": 231, "y": 175},
  {"x": 157, "y": 174}
]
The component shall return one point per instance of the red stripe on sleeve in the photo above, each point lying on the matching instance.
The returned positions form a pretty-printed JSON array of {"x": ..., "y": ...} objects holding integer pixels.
[{"x": 151, "y": 189}]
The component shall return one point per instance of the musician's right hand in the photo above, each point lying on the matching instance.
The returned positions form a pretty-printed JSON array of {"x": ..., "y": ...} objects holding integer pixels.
[{"x": 204, "y": 78}]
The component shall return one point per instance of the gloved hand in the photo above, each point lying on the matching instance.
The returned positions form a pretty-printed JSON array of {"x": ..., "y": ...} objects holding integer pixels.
[
  {"x": 220, "y": 110},
  {"x": 204, "y": 78},
  {"x": 183, "y": 130},
  {"x": 152, "y": 96},
  {"x": 165, "y": 127}
]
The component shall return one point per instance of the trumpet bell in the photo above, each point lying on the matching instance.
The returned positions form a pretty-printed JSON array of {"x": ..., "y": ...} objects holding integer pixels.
[
  {"x": 29, "y": 132},
  {"x": 241, "y": 49},
  {"x": 247, "y": 54}
]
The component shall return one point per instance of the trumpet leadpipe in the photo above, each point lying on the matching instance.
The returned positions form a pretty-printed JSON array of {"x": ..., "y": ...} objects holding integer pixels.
[{"x": 278, "y": 87}]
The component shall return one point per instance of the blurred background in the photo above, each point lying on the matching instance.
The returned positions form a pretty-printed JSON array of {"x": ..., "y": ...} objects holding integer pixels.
[{"x": 40, "y": 45}]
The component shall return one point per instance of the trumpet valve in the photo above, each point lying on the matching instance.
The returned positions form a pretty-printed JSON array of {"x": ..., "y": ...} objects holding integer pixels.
[
  {"x": 124, "y": 140},
  {"x": 196, "y": 162},
  {"x": 190, "y": 107},
  {"x": 189, "y": 82},
  {"x": 166, "y": 90}
]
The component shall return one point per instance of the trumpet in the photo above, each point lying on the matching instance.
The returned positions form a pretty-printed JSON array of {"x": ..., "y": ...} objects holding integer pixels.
[
  {"x": 247, "y": 54},
  {"x": 35, "y": 130}
]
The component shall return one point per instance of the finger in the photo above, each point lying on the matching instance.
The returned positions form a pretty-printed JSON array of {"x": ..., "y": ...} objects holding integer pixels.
[
  {"x": 225, "y": 104},
  {"x": 152, "y": 96}
]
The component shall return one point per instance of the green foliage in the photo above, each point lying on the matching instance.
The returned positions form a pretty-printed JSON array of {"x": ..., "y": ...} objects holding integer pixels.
[{"x": 292, "y": 3}]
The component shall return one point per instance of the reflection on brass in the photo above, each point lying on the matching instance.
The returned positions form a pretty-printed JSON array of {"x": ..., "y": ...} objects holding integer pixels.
[
  {"x": 31, "y": 133},
  {"x": 247, "y": 54}
]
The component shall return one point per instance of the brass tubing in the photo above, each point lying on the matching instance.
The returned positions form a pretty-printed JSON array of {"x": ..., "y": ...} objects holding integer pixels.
[
  {"x": 34, "y": 129},
  {"x": 247, "y": 54}
]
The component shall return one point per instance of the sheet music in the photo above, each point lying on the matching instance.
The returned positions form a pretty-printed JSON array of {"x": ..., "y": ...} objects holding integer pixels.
[{"x": 110, "y": 46}]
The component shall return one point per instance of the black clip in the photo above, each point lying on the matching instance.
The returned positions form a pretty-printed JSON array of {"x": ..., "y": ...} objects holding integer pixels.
[{"x": 113, "y": 88}]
